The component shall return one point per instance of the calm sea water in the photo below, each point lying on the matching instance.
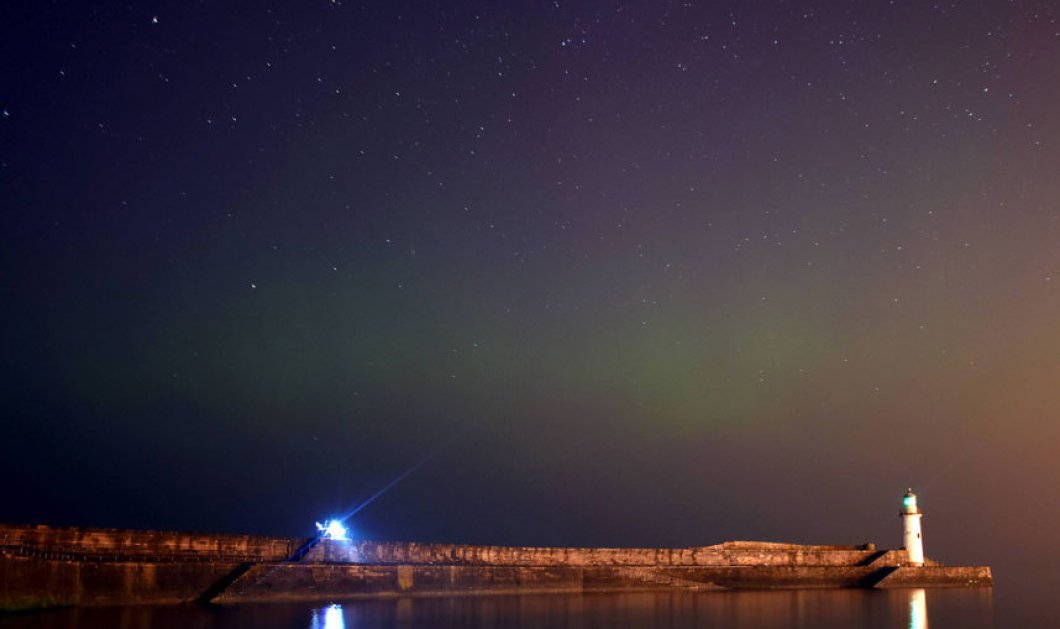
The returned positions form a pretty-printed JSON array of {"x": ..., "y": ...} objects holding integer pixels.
[{"x": 822, "y": 609}]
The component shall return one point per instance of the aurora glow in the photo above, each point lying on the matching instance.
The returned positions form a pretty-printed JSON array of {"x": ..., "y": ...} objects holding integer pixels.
[{"x": 671, "y": 273}]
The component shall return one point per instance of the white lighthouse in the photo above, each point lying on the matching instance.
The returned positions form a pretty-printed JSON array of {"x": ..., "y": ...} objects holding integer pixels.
[{"x": 911, "y": 535}]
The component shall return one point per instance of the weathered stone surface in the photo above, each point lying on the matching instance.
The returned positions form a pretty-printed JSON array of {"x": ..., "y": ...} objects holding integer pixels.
[
  {"x": 937, "y": 576},
  {"x": 727, "y": 554},
  {"x": 32, "y": 582},
  {"x": 164, "y": 545}
]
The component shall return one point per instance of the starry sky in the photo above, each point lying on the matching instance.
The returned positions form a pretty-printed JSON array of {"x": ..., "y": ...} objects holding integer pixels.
[{"x": 640, "y": 273}]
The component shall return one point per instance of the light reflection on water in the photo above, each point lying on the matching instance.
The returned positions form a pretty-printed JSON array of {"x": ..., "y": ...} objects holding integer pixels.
[
  {"x": 329, "y": 617},
  {"x": 780, "y": 609},
  {"x": 918, "y": 618}
]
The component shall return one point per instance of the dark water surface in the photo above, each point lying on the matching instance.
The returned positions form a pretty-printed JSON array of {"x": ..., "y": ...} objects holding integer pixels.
[{"x": 914, "y": 608}]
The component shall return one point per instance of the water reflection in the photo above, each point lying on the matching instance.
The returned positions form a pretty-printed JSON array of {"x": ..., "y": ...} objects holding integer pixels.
[
  {"x": 918, "y": 618},
  {"x": 781, "y": 609},
  {"x": 329, "y": 617}
]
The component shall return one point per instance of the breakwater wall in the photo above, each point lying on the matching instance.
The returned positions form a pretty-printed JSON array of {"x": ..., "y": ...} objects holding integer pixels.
[
  {"x": 175, "y": 546},
  {"x": 43, "y": 566},
  {"x": 337, "y": 581},
  {"x": 726, "y": 554},
  {"x": 35, "y": 583},
  {"x": 157, "y": 545}
]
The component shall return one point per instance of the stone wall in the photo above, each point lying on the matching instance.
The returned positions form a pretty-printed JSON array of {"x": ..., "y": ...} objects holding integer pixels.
[
  {"x": 32, "y": 582},
  {"x": 332, "y": 581},
  {"x": 937, "y": 576},
  {"x": 728, "y": 554},
  {"x": 176, "y": 546},
  {"x": 145, "y": 545}
]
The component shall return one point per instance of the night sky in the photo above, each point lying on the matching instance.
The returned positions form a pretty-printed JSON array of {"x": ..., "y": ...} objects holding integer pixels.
[{"x": 639, "y": 274}]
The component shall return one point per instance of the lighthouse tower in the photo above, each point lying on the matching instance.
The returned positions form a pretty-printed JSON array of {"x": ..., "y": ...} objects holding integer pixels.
[{"x": 911, "y": 535}]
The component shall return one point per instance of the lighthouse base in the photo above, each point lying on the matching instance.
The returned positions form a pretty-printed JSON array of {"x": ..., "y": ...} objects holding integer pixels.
[{"x": 937, "y": 576}]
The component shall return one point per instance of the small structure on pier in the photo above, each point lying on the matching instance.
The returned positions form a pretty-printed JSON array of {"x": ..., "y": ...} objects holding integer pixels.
[{"x": 912, "y": 536}]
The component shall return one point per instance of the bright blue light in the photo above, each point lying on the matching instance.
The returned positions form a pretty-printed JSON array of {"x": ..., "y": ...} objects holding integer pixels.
[
  {"x": 333, "y": 529},
  {"x": 328, "y": 618}
]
